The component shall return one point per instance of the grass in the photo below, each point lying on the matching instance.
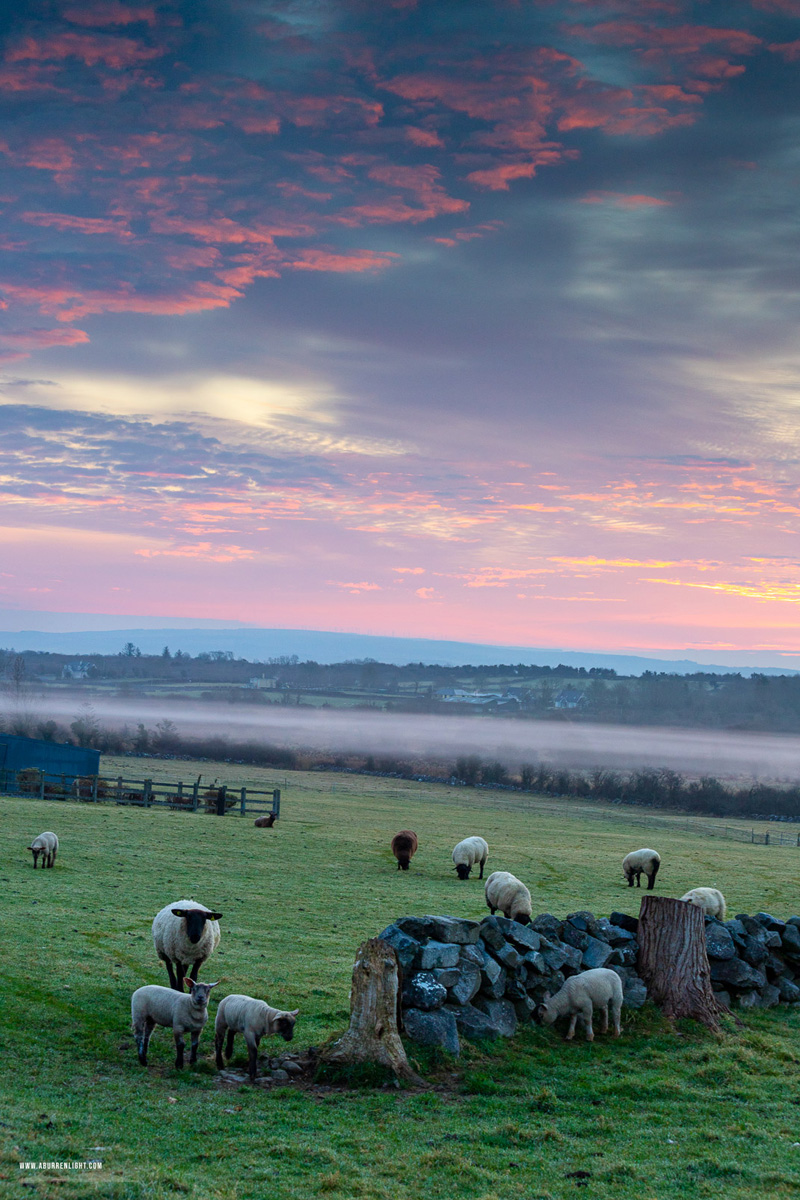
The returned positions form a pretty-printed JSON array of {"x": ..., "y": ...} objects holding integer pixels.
[{"x": 653, "y": 1116}]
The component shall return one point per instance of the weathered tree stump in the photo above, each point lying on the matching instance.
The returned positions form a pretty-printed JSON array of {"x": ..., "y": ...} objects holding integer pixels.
[
  {"x": 673, "y": 961},
  {"x": 373, "y": 1036}
]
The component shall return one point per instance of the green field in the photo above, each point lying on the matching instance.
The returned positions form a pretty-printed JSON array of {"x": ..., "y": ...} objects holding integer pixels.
[{"x": 653, "y": 1116}]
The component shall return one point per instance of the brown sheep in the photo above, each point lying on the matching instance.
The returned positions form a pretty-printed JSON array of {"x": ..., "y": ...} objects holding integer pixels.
[
  {"x": 404, "y": 847},
  {"x": 265, "y": 822}
]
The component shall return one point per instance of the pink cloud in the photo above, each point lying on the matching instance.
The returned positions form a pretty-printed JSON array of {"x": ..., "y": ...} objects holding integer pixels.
[
  {"x": 624, "y": 200},
  {"x": 85, "y": 225},
  {"x": 110, "y": 13},
  {"x": 358, "y": 260},
  {"x": 91, "y": 49},
  {"x": 34, "y": 339},
  {"x": 789, "y": 51}
]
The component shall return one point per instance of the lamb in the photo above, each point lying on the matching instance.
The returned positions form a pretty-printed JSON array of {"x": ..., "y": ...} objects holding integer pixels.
[
  {"x": 506, "y": 892},
  {"x": 469, "y": 852},
  {"x": 404, "y": 847},
  {"x": 580, "y": 995},
  {"x": 709, "y": 899},
  {"x": 45, "y": 844},
  {"x": 255, "y": 1019},
  {"x": 641, "y": 862},
  {"x": 266, "y": 822},
  {"x": 155, "y": 1005},
  {"x": 185, "y": 934}
]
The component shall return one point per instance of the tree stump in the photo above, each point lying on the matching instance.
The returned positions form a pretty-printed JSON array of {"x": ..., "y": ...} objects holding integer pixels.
[
  {"x": 373, "y": 1036},
  {"x": 673, "y": 961}
]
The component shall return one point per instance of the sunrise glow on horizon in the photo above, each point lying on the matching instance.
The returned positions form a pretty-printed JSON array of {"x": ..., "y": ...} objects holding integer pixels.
[{"x": 473, "y": 321}]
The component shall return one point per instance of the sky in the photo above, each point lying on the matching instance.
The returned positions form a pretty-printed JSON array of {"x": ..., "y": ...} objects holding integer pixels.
[{"x": 469, "y": 320}]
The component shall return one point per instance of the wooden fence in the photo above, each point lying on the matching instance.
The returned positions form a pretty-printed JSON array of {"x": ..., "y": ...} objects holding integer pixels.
[{"x": 143, "y": 793}]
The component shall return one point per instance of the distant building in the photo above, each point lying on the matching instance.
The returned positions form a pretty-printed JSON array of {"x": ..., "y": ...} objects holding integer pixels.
[
  {"x": 483, "y": 701},
  {"x": 263, "y": 683},
  {"x": 568, "y": 698},
  {"x": 77, "y": 670}
]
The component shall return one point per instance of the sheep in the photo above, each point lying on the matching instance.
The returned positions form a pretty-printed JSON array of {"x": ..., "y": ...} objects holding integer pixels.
[
  {"x": 45, "y": 844},
  {"x": 709, "y": 899},
  {"x": 505, "y": 891},
  {"x": 185, "y": 1013},
  {"x": 266, "y": 822},
  {"x": 640, "y": 862},
  {"x": 255, "y": 1019},
  {"x": 185, "y": 934},
  {"x": 404, "y": 847},
  {"x": 469, "y": 852},
  {"x": 580, "y": 995}
]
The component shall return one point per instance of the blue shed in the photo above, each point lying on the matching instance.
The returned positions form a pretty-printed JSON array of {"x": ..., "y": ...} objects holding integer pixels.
[{"x": 53, "y": 758}]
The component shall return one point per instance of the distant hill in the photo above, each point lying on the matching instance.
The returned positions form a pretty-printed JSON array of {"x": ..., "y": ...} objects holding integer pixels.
[{"x": 326, "y": 647}]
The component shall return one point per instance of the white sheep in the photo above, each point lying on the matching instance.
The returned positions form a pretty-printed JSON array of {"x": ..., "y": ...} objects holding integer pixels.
[
  {"x": 469, "y": 852},
  {"x": 506, "y": 892},
  {"x": 255, "y": 1019},
  {"x": 709, "y": 899},
  {"x": 580, "y": 995},
  {"x": 185, "y": 934},
  {"x": 45, "y": 844},
  {"x": 641, "y": 862},
  {"x": 181, "y": 1012}
]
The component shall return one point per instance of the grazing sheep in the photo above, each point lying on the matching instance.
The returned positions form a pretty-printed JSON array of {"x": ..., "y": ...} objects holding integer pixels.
[
  {"x": 404, "y": 847},
  {"x": 641, "y": 862},
  {"x": 709, "y": 899},
  {"x": 185, "y": 934},
  {"x": 155, "y": 1005},
  {"x": 469, "y": 852},
  {"x": 580, "y": 995},
  {"x": 506, "y": 892},
  {"x": 265, "y": 822},
  {"x": 255, "y": 1019},
  {"x": 45, "y": 844}
]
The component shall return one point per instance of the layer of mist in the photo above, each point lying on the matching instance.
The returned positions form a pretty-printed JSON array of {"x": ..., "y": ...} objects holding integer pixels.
[{"x": 579, "y": 746}]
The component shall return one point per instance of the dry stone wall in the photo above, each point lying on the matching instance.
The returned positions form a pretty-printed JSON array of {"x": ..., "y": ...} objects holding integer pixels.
[{"x": 483, "y": 979}]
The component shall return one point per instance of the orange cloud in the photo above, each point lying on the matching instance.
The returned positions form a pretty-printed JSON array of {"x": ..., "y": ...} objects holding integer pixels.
[
  {"x": 88, "y": 225},
  {"x": 326, "y": 260},
  {"x": 624, "y": 200}
]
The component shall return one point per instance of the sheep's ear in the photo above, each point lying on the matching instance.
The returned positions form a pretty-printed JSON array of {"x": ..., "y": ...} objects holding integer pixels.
[
  {"x": 293, "y": 1013},
  {"x": 214, "y": 984},
  {"x": 179, "y": 912},
  {"x": 214, "y": 916}
]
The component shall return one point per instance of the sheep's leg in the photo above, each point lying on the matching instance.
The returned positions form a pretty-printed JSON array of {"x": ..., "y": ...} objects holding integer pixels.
[
  {"x": 178, "y": 1049},
  {"x": 198, "y": 962},
  {"x": 143, "y": 1040},
  {"x": 604, "y": 1019},
  {"x": 615, "y": 1018},
  {"x": 571, "y": 1031},
  {"x": 586, "y": 1013},
  {"x": 639, "y": 879},
  {"x": 492, "y": 910},
  {"x": 219, "y": 1038},
  {"x": 35, "y": 858},
  {"x": 630, "y": 881},
  {"x": 195, "y": 1041},
  {"x": 651, "y": 882},
  {"x": 252, "y": 1055},
  {"x": 229, "y": 1047},
  {"x": 481, "y": 874},
  {"x": 180, "y": 972}
]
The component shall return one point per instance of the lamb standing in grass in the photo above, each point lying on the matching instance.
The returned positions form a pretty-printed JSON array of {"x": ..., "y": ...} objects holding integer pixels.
[
  {"x": 45, "y": 844},
  {"x": 641, "y": 862},
  {"x": 709, "y": 899},
  {"x": 580, "y": 995},
  {"x": 404, "y": 847},
  {"x": 509, "y": 894},
  {"x": 155, "y": 1005},
  {"x": 255, "y": 1019},
  {"x": 469, "y": 852},
  {"x": 185, "y": 934}
]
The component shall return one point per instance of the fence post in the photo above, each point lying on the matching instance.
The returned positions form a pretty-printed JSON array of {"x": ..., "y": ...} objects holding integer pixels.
[
  {"x": 195, "y": 796},
  {"x": 221, "y": 795},
  {"x": 276, "y": 806},
  {"x": 119, "y": 789},
  {"x": 94, "y": 788},
  {"x": 148, "y": 790},
  {"x": 766, "y": 839},
  {"x": 243, "y": 809},
  {"x": 753, "y": 836},
  {"x": 41, "y": 786},
  {"x": 180, "y": 789}
]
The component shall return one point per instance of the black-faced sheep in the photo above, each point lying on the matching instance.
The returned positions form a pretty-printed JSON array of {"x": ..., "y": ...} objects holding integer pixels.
[
  {"x": 253, "y": 1018},
  {"x": 581, "y": 994},
  {"x": 155, "y": 1005},
  {"x": 185, "y": 934},
  {"x": 641, "y": 862},
  {"x": 709, "y": 899},
  {"x": 404, "y": 847},
  {"x": 509, "y": 894},
  {"x": 469, "y": 852},
  {"x": 45, "y": 844}
]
